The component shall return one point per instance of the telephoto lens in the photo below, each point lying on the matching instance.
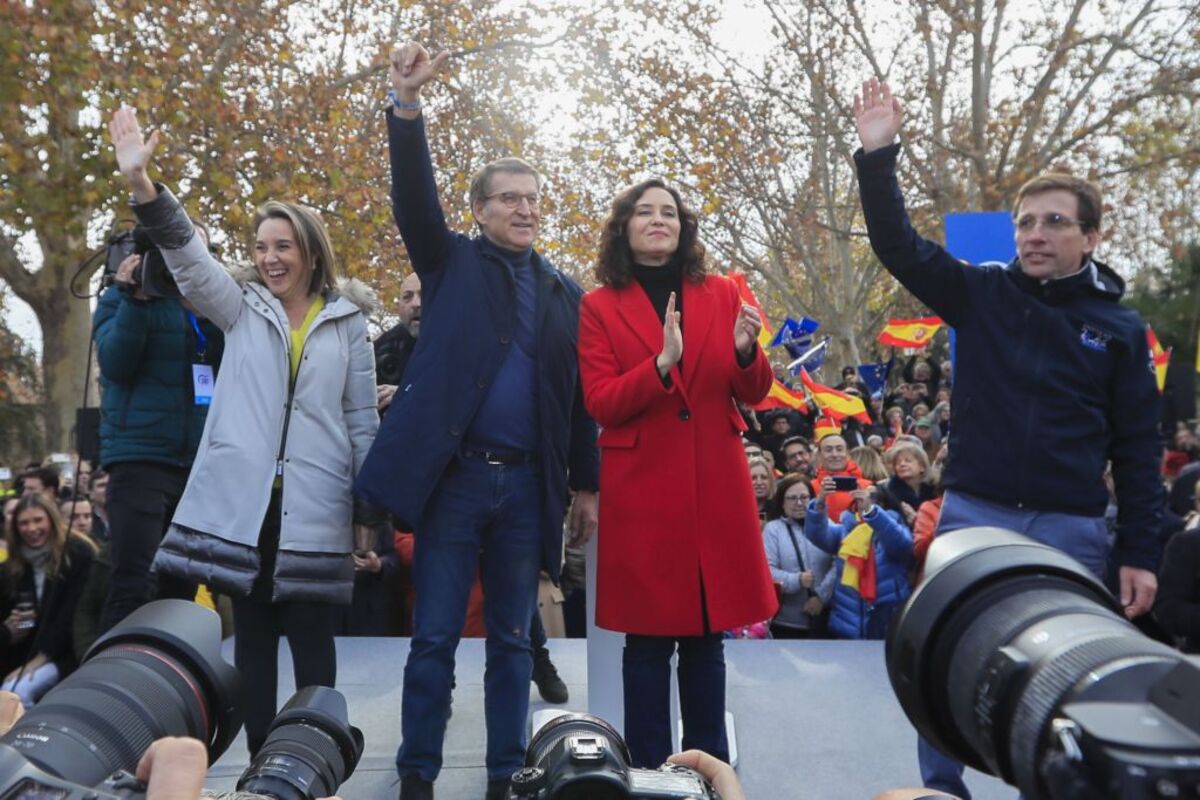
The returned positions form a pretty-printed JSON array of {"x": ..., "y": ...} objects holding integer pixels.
[
  {"x": 157, "y": 673},
  {"x": 1013, "y": 658},
  {"x": 310, "y": 750}
]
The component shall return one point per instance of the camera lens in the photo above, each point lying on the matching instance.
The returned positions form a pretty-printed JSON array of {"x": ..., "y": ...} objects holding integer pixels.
[
  {"x": 310, "y": 750},
  {"x": 584, "y": 758},
  {"x": 158, "y": 673},
  {"x": 1002, "y": 633}
]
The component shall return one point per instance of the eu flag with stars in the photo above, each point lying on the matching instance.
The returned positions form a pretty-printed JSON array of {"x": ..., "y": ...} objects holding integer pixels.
[{"x": 875, "y": 375}]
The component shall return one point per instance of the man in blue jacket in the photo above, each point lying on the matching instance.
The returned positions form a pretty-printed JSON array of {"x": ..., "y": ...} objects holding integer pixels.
[
  {"x": 1052, "y": 377},
  {"x": 484, "y": 430}
]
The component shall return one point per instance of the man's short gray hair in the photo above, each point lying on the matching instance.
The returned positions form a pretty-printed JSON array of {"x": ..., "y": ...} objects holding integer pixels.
[{"x": 482, "y": 182}]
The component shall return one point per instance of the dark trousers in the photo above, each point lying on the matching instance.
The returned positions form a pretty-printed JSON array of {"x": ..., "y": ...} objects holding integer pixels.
[
  {"x": 141, "y": 501},
  {"x": 257, "y": 625},
  {"x": 646, "y": 668},
  {"x": 537, "y": 635}
]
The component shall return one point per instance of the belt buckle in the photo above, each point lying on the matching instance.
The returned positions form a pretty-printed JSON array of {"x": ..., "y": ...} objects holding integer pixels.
[{"x": 492, "y": 458}]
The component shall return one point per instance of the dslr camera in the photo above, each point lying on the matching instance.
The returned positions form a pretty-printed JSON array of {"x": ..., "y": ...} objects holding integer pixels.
[
  {"x": 160, "y": 673},
  {"x": 578, "y": 756},
  {"x": 152, "y": 275},
  {"x": 1014, "y": 659}
]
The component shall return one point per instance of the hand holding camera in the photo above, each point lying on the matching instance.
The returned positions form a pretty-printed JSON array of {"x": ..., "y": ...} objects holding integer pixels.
[{"x": 127, "y": 276}]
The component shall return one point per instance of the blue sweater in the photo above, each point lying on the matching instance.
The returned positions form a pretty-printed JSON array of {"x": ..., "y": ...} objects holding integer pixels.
[{"x": 1051, "y": 380}]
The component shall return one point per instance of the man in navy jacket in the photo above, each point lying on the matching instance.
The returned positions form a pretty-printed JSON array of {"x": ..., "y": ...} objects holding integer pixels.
[
  {"x": 1052, "y": 380},
  {"x": 486, "y": 436}
]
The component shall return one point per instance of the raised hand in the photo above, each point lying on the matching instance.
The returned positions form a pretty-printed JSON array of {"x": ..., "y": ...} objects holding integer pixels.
[
  {"x": 877, "y": 114},
  {"x": 672, "y": 339},
  {"x": 745, "y": 330},
  {"x": 133, "y": 152},
  {"x": 411, "y": 68}
]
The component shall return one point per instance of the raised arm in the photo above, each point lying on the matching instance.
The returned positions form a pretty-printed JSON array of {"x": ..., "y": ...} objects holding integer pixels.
[
  {"x": 200, "y": 278},
  {"x": 415, "y": 203},
  {"x": 934, "y": 276}
]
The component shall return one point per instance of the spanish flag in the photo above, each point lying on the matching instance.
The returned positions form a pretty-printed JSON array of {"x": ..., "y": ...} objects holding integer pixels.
[
  {"x": 857, "y": 551},
  {"x": 1159, "y": 358},
  {"x": 837, "y": 405},
  {"x": 764, "y": 334},
  {"x": 781, "y": 396},
  {"x": 823, "y": 427},
  {"x": 911, "y": 333}
]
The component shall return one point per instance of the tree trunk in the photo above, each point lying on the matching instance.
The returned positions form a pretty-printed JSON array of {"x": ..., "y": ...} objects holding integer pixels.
[{"x": 66, "y": 335}]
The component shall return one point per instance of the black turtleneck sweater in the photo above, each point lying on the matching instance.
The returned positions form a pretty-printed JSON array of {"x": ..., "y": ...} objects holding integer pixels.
[{"x": 658, "y": 283}]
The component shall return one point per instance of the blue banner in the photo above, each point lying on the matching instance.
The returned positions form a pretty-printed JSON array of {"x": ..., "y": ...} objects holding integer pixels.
[{"x": 981, "y": 237}]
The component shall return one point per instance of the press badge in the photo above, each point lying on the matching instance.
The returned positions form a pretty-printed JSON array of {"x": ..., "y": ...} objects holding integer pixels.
[{"x": 202, "y": 383}]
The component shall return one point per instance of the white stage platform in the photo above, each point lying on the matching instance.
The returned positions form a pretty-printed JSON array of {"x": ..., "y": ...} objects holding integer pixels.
[{"x": 815, "y": 720}]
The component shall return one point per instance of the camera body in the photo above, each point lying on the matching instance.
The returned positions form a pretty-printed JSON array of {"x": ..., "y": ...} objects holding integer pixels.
[
  {"x": 24, "y": 781},
  {"x": 578, "y": 755},
  {"x": 152, "y": 276}
]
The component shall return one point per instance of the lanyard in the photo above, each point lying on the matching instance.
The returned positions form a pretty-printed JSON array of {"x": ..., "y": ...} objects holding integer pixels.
[{"x": 201, "y": 339}]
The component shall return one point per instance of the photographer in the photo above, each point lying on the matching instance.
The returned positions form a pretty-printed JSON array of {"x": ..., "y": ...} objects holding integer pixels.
[{"x": 153, "y": 351}]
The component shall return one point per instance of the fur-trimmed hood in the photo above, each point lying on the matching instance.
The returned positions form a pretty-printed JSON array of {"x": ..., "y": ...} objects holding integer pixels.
[{"x": 354, "y": 290}]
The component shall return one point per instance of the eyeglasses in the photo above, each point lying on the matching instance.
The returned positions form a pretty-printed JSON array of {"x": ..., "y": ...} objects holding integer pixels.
[
  {"x": 513, "y": 199},
  {"x": 800, "y": 498},
  {"x": 1050, "y": 222}
]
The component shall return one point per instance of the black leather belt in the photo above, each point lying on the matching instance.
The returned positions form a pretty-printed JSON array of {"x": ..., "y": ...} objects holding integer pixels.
[{"x": 509, "y": 459}]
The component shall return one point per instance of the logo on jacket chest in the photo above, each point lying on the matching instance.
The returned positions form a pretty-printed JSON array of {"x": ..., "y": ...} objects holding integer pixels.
[{"x": 1094, "y": 339}]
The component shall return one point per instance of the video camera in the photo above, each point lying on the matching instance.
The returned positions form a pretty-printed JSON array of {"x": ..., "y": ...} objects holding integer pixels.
[
  {"x": 152, "y": 275},
  {"x": 160, "y": 673},
  {"x": 578, "y": 757},
  {"x": 1014, "y": 659}
]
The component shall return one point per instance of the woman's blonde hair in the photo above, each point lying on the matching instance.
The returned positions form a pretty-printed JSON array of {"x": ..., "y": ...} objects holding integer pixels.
[
  {"x": 16, "y": 563},
  {"x": 311, "y": 239},
  {"x": 870, "y": 463},
  {"x": 759, "y": 461}
]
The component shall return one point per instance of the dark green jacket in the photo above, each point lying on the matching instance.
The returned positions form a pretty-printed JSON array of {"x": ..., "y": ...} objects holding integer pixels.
[{"x": 146, "y": 350}]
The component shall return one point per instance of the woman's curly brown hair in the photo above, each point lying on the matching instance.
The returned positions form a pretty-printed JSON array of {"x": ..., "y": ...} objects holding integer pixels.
[{"x": 614, "y": 265}]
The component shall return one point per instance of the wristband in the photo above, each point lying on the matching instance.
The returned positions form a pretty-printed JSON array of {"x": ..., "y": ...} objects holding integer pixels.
[{"x": 403, "y": 105}]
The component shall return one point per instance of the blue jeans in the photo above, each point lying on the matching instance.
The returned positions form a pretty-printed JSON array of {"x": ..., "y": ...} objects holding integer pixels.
[
  {"x": 1086, "y": 539},
  {"x": 646, "y": 670},
  {"x": 484, "y": 517}
]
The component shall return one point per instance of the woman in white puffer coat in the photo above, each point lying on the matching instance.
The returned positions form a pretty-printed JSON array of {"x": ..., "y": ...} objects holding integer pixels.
[{"x": 267, "y": 515}]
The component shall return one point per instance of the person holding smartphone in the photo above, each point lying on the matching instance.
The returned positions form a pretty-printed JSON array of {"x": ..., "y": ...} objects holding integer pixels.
[
  {"x": 874, "y": 551},
  {"x": 835, "y": 461}
]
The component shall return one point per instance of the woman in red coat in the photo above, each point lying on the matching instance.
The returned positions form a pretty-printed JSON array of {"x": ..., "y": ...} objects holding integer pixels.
[{"x": 665, "y": 349}]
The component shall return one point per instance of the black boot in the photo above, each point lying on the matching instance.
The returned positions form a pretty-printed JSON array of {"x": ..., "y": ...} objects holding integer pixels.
[
  {"x": 550, "y": 686},
  {"x": 414, "y": 787}
]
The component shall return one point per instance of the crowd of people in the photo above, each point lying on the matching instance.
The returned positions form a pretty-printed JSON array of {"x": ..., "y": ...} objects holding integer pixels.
[{"x": 258, "y": 451}]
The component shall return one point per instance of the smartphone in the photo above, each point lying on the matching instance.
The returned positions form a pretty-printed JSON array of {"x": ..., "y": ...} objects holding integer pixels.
[{"x": 845, "y": 483}]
